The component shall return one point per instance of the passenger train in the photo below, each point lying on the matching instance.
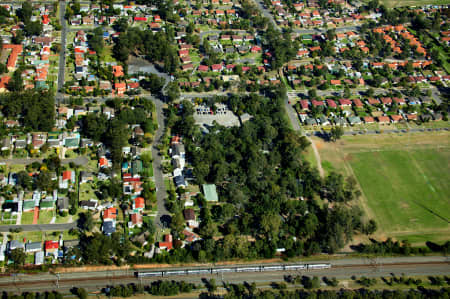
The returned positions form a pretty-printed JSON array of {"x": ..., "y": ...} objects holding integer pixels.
[{"x": 198, "y": 271}]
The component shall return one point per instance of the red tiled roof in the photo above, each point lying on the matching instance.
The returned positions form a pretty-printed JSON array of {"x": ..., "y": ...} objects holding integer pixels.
[
  {"x": 110, "y": 213},
  {"x": 139, "y": 203},
  {"x": 67, "y": 175},
  {"x": 331, "y": 103},
  {"x": 49, "y": 245}
]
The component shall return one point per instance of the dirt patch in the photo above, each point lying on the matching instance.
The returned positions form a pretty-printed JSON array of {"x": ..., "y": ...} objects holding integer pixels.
[
  {"x": 318, "y": 144},
  {"x": 404, "y": 205},
  {"x": 348, "y": 158}
]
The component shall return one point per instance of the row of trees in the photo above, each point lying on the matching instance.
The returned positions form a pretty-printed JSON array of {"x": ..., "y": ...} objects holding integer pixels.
[{"x": 248, "y": 291}]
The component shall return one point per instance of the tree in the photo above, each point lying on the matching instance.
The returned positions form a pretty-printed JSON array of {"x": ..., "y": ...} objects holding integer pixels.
[
  {"x": 173, "y": 91},
  {"x": 81, "y": 293},
  {"x": 121, "y": 25},
  {"x": 116, "y": 137},
  {"x": 347, "y": 92},
  {"x": 16, "y": 82},
  {"x": 86, "y": 221},
  {"x": 44, "y": 181},
  {"x": 18, "y": 256},
  {"x": 18, "y": 37},
  {"x": 33, "y": 28},
  {"x": 96, "y": 40},
  {"x": 270, "y": 224},
  {"x": 25, "y": 12},
  {"x": 336, "y": 133},
  {"x": 24, "y": 180},
  {"x": 94, "y": 126}
]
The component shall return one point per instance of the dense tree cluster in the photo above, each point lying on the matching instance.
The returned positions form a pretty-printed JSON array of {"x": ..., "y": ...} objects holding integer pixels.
[
  {"x": 263, "y": 181},
  {"x": 98, "y": 248},
  {"x": 280, "y": 46},
  {"x": 34, "y": 108},
  {"x": 389, "y": 247},
  {"x": 156, "y": 47}
]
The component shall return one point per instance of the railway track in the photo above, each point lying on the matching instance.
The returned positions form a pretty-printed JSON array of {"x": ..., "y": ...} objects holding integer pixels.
[{"x": 123, "y": 279}]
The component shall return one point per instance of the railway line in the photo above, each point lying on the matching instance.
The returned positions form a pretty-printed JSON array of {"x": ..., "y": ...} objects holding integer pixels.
[{"x": 258, "y": 274}]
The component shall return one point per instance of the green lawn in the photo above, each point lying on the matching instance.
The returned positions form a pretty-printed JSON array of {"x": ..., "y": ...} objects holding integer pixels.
[
  {"x": 45, "y": 217},
  {"x": 407, "y": 190},
  {"x": 27, "y": 218},
  {"x": 401, "y": 3}
]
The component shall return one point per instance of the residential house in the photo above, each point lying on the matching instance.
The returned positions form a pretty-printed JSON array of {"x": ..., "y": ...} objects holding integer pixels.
[
  {"x": 180, "y": 181},
  {"x": 51, "y": 248},
  {"x": 89, "y": 204},
  {"x": 138, "y": 204},
  {"x": 136, "y": 220},
  {"x": 167, "y": 244},
  {"x": 109, "y": 227},
  {"x": 62, "y": 204},
  {"x": 72, "y": 141},
  {"x": 189, "y": 216},
  {"x": 67, "y": 177},
  {"x": 14, "y": 244},
  {"x": 86, "y": 176},
  {"x": 33, "y": 247}
]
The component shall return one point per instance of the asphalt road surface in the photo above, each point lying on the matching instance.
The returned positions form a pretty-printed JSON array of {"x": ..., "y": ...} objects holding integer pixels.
[
  {"x": 80, "y": 160},
  {"x": 39, "y": 227},
  {"x": 157, "y": 168},
  {"x": 62, "y": 53},
  {"x": 341, "y": 269}
]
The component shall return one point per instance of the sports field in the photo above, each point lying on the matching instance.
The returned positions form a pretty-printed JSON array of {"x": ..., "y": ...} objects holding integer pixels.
[
  {"x": 405, "y": 181},
  {"x": 400, "y": 3}
]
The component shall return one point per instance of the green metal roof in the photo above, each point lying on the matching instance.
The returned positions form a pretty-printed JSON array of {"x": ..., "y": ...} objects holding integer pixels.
[
  {"x": 210, "y": 192},
  {"x": 47, "y": 204},
  {"x": 71, "y": 142}
]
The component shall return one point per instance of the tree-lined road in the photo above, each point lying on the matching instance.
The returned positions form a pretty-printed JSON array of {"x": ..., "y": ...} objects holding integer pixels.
[
  {"x": 163, "y": 214},
  {"x": 62, "y": 53}
]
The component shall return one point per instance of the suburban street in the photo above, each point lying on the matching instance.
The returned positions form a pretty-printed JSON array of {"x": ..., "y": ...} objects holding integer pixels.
[
  {"x": 62, "y": 53},
  {"x": 341, "y": 269},
  {"x": 80, "y": 160},
  {"x": 163, "y": 214},
  {"x": 39, "y": 227}
]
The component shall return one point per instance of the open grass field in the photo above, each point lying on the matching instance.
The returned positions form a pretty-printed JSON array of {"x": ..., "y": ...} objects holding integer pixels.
[
  {"x": 400, "y": 3},
  {"x": 404, "y": 179}
]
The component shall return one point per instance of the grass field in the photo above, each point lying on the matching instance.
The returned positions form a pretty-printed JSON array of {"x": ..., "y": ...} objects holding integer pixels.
[
  {"x": 407, "y": 190},
  {"x": 399, "y": 3},
  {"x": 404, "y": 180}
]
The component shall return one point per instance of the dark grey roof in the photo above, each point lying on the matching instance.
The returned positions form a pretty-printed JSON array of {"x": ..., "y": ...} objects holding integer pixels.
[
  {"x": 108, "y": 227},
  {"x": 33, "y": 246},
  {"x": 71, "y": 243},
  {"x": 179, "y": 180},
  {"x": 62, "y": 203}
]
